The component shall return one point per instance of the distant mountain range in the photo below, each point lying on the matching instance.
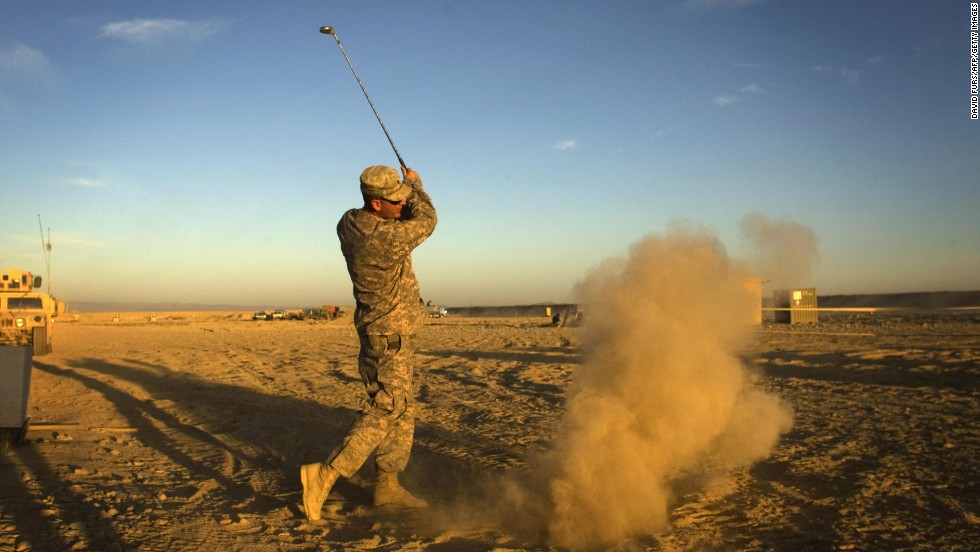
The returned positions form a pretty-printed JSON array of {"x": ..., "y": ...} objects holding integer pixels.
[
  {"x": 105, "y": 306},
  {"x": 913, "y": 300}
]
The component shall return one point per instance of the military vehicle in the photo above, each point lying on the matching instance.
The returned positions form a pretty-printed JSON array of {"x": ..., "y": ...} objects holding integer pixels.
[
  {"x": 435, "y": 311},
  {"x": 26, "y": 316}
]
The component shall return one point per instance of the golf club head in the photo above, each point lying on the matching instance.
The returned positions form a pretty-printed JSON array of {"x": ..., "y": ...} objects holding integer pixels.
[{"x": 326, "y": 29}]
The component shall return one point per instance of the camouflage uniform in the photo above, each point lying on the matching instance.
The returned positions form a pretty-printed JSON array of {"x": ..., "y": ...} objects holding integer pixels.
[{"x": 389, "y": 311}]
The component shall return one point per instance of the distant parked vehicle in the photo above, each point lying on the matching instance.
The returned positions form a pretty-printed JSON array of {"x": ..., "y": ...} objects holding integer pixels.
[
  {"x": 279, "y": 314},
  {"x": 294, "y": 314},
  {"x": 325, "y": 312},
  {"x": 435, "y": 311}
]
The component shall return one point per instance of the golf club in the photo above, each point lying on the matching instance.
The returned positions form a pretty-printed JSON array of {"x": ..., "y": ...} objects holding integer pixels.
[{"x": 329, "y": 30}]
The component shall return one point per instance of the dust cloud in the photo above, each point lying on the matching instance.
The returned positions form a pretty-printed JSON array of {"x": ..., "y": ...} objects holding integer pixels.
[
  {"x": 783, "y": 252},
  {"x": 661, "y": 398}
]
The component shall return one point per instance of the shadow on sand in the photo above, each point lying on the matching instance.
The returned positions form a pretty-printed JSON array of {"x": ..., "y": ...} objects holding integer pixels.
[{"x": 239, "y": 446}]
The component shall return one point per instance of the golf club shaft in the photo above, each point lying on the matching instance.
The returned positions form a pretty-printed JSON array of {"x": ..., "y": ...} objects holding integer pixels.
[{"x": 351, "y": 65}]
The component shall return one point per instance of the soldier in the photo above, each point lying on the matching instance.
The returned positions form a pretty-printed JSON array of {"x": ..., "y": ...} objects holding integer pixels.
[{"x": 377, "y": 241}]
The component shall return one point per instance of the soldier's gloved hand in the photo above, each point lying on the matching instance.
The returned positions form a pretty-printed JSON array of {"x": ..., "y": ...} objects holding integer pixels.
[{"x": 409, "y": 174}]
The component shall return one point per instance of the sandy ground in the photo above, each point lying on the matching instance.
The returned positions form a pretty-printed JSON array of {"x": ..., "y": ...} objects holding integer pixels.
[{"x": 187, "y": 433}]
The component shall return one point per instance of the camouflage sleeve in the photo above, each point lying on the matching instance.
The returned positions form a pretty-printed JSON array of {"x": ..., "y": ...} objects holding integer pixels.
[
  {"x": 419, "y": 221},
  {"x": 420, "y": 208}
]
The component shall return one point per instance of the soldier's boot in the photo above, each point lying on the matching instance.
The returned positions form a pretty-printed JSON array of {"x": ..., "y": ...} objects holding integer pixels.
[
  {"x": 317, "y": 480},
  {"x": 390, "y": 492}
]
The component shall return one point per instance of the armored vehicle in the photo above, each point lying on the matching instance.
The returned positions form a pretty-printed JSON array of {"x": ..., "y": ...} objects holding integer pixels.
[
  {"x": 435, "y": 311},
  {"x": 26, "y": 316}
]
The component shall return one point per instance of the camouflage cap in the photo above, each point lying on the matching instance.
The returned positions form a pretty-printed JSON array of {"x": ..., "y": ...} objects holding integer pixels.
[{"x": 383, "y": 182}]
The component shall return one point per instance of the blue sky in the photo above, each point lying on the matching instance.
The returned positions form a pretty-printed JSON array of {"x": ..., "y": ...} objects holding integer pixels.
[{"x": 203, "y": 152}]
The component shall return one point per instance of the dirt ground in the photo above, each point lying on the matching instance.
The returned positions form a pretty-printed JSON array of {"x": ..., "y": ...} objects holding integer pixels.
[{"x": 186, "y": 433}]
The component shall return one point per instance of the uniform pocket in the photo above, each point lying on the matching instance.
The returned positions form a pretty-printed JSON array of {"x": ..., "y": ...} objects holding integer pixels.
[
  {"x": 375, "y": 345},
  {"x": 394, "y": 343}
]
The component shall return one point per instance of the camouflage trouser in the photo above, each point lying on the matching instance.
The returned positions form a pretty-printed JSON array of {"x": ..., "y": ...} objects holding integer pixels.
[{"x": 387, "y": 420}]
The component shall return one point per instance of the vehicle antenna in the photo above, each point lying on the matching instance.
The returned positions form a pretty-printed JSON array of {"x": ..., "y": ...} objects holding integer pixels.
[{"x": 47, "y": 251}]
